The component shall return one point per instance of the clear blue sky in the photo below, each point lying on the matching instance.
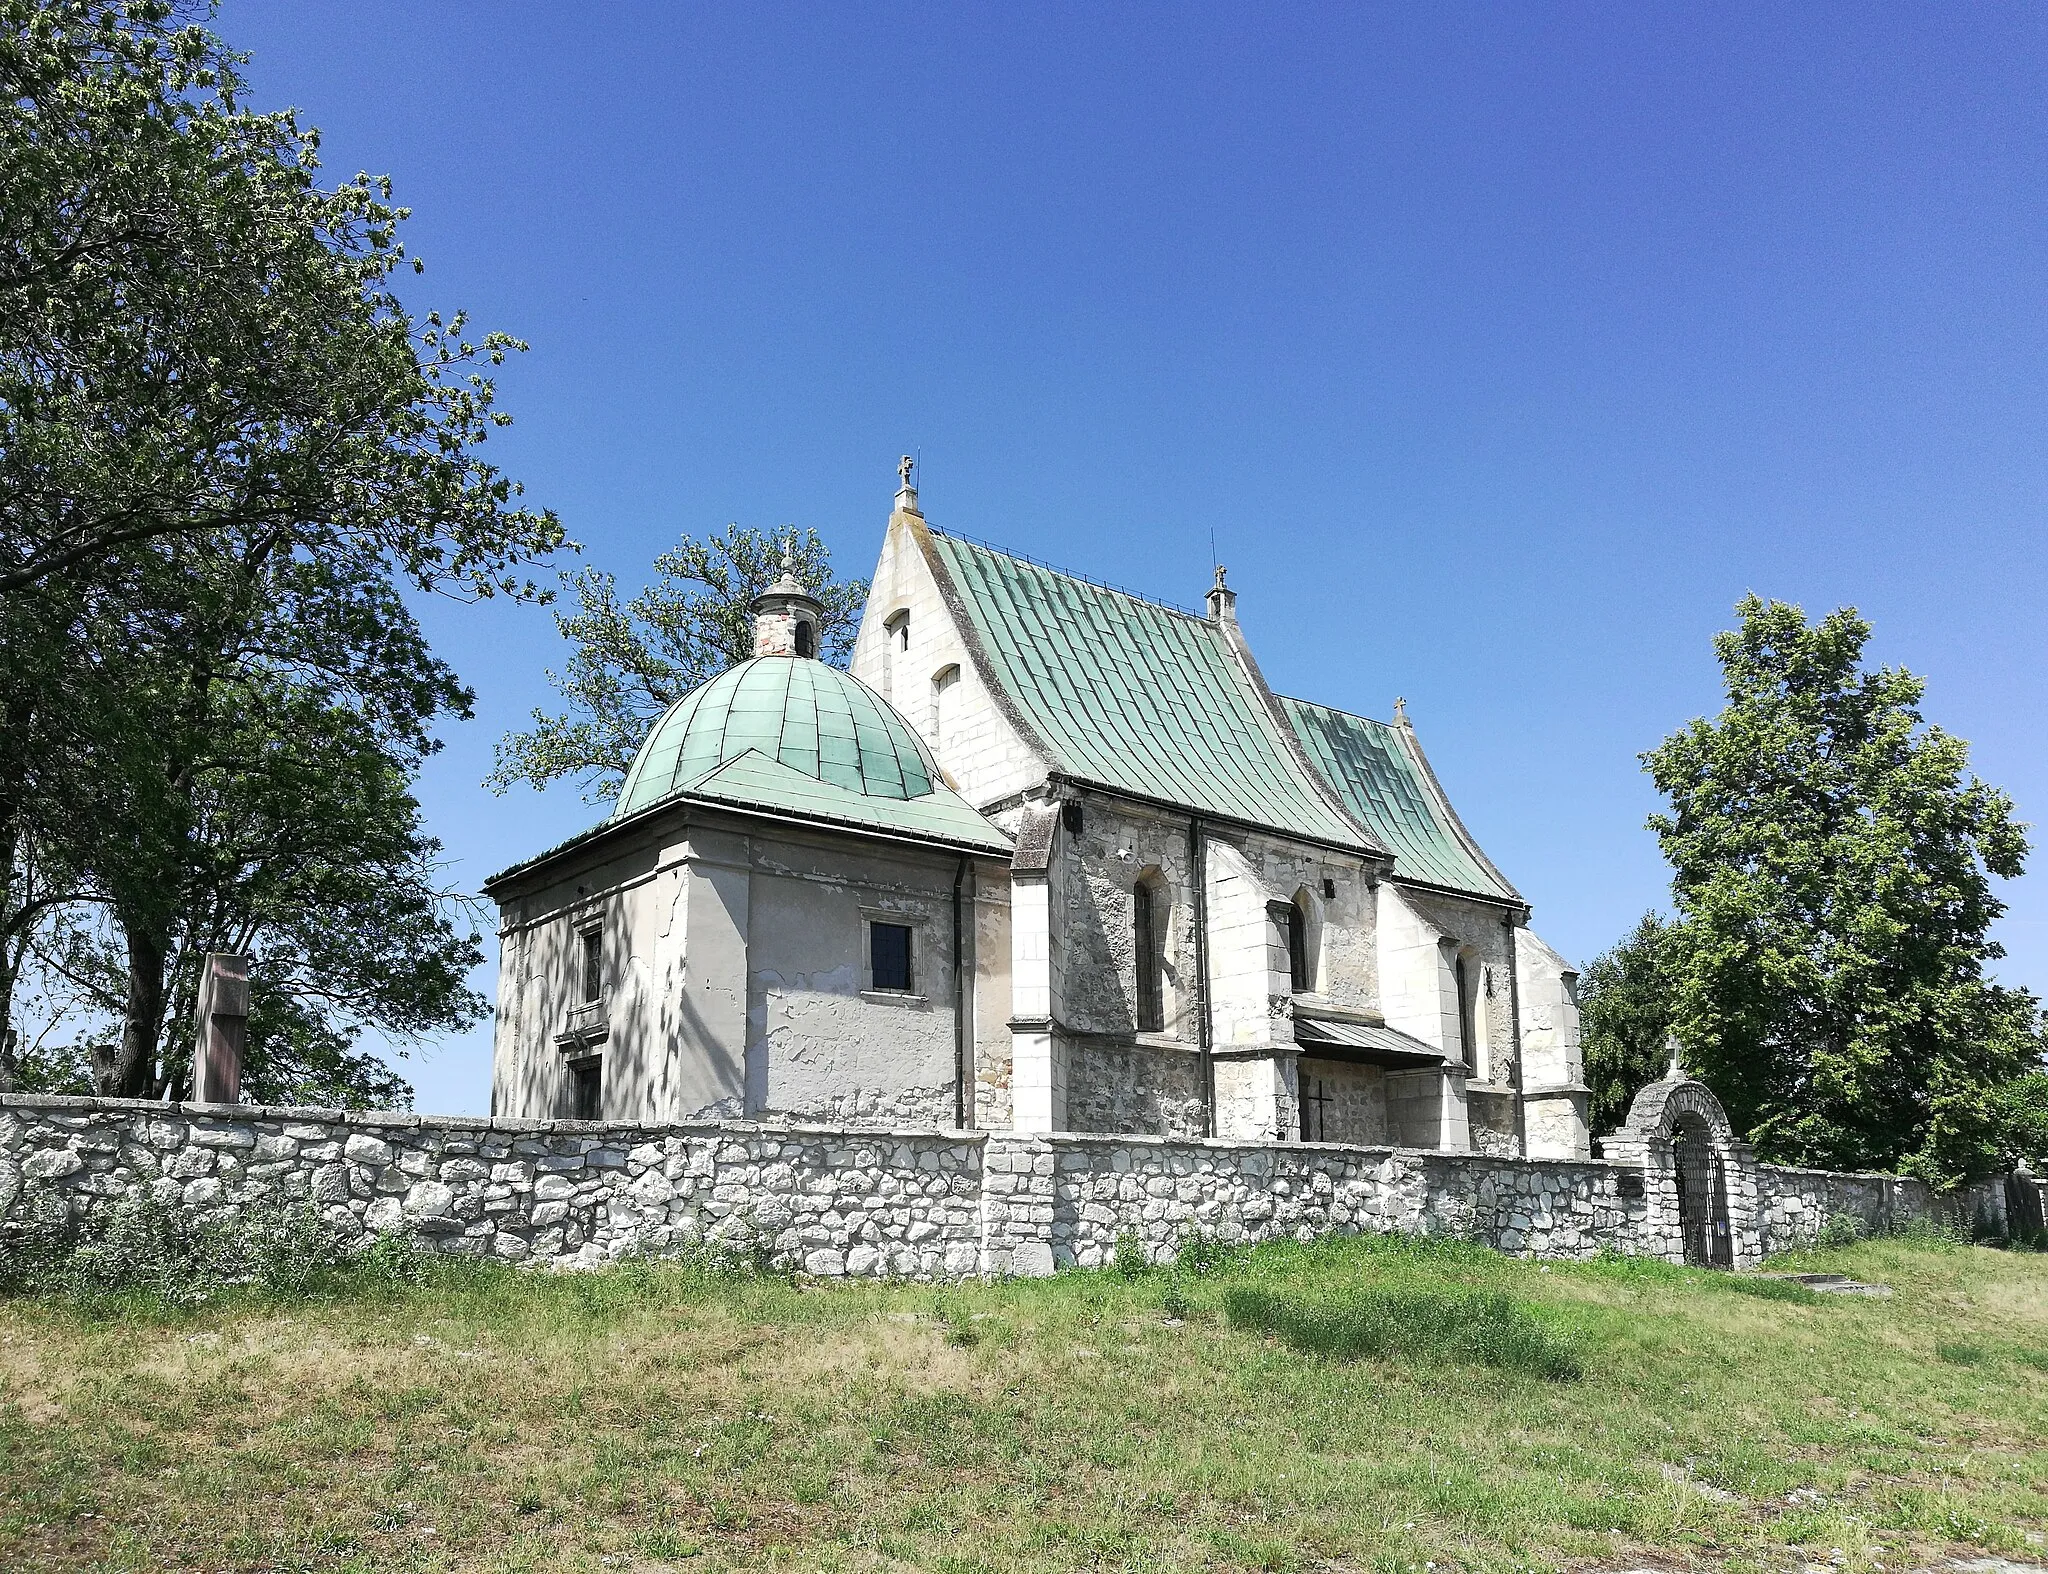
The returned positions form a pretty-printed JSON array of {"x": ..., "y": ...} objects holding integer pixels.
[{"x": 1501, "y": 348}]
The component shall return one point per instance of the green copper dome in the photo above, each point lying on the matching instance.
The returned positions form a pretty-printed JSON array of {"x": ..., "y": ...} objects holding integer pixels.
[{"x": 816, "y": 720}]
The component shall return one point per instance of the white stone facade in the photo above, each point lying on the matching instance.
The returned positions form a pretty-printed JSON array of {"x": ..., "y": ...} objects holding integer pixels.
[{"x": 1424, "y": 1016}]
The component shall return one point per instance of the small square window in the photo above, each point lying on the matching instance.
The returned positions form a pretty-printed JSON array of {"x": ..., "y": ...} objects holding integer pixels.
[
  {"x": 889, "y": 957},
  {"x": 586, "y": 1089}
]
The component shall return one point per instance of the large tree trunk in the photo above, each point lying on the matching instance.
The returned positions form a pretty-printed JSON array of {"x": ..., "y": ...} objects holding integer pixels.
[{"x": 127, "y": 1068}]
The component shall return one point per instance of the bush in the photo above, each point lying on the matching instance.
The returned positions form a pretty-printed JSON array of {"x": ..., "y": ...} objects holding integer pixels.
[
  {"x": 1482, "y": 1327},
  {"x": 1204, "y": 1255},
  {"x": 1129, "y": 1258},
  {"x": 1841, "y": 1230},
  {"x": 161, "y": 1253}
]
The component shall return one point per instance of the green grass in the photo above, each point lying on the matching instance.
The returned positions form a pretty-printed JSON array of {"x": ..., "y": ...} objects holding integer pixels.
[
  {"x": 1356, "y": 1321},
  {"x": 1378, "y": 1404}
]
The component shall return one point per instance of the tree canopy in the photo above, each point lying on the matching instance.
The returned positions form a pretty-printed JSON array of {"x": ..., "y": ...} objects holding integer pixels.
[
  {"x": 227, "y": 449},
  {"x": 1833, "y": 864},
  {"x": 1625, "y": 1012},
  {"x": 630, "y": 660}
]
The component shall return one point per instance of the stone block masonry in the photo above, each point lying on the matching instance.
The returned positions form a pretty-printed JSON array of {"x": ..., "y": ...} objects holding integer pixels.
[{"x": 836, "y": 1202}]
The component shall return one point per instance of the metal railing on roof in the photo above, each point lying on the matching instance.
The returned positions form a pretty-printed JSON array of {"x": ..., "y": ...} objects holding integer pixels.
[{"x": 1067, "y": 573}]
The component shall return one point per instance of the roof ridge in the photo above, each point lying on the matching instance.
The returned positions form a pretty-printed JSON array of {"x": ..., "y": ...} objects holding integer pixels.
[
  {"x": 1067, "y": 573},
  {"x": 1335, "y": 710}
]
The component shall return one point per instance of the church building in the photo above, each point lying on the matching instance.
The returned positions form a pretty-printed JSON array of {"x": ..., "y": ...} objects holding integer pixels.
[{"x": 1050, "y": 857}]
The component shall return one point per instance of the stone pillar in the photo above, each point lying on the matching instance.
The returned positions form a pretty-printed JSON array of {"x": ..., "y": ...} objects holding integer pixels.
[
  {"x": 1258, "y": 1096},
  {"x": 1038, "y": 1070},
  {"x": 222, "y": 1021},
  {"x": 1038, "y": 1065}
]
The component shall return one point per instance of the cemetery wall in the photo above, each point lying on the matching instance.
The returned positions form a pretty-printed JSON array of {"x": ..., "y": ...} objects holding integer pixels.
[{"x": 839, "y": 1202}]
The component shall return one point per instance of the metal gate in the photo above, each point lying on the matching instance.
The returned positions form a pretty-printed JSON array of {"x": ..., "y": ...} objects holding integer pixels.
[{"x": 1703, "y": 1202}]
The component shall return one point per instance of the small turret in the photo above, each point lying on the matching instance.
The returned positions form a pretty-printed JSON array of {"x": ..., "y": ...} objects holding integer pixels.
[
  {"x": 1222, "y": 600},
  {"x": 787, "y": 617}
]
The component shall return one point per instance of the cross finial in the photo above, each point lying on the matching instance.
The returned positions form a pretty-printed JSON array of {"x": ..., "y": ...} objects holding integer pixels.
[
  {"x": 789, "y": 554},
  {"x": 1400, "y": 709},
  {"x": 903, "y": 468},
  {"x": 1677, "y": 1072}
]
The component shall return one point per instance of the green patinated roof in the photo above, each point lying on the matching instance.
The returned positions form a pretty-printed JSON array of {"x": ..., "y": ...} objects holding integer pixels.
[
  {"x": 797, "y": 737},
  {"x": 1386, "y": 785},
  {"x": 1135, "y": 696}
]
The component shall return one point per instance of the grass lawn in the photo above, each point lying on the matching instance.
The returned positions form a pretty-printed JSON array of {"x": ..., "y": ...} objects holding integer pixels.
[{"x": 652, "y": 1417}]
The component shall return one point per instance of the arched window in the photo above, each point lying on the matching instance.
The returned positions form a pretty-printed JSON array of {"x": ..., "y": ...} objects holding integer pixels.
[
  {"x": 895, "y": 647},
  {"x": 806, "y": 641},
  {"x": 1148, "y": 951},
  {"x": 945, "y": 707}
]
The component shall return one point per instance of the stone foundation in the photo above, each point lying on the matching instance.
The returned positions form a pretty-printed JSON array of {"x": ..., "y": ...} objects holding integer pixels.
[{"x": 845, "y": 1202}]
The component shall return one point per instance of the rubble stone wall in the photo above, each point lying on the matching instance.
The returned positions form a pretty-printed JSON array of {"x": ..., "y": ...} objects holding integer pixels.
[
  {"x": 839, "y": 1202},
  {"x": 1795, "y": 1205}
]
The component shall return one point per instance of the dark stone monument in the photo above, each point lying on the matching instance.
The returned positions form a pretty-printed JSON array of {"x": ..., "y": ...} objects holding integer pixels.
[{"x": 223, "y": 1024}]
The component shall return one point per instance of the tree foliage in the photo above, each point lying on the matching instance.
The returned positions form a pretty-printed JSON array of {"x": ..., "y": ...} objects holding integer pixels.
[
  {"x": 631, "y": 660},
  {"x": 195, "y": 334},
  {"x": 1832, "y": 866},
  {"x": 226, "y": 448},
  {"x": 1625, "y": 1018}
]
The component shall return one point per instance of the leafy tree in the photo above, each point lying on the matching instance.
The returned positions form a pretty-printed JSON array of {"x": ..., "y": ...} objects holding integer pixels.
[
  {"x": 194, "y": 334},
  {"x": 1833, "y": 864},
  {"x": 1625, "y": 1018},
  {"x": 632, "y": 660},
  {"x": 225, "y": 446}
]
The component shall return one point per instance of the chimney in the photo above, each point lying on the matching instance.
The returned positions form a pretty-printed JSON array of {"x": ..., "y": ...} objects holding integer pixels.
[{"x": 223, "y": 1024}]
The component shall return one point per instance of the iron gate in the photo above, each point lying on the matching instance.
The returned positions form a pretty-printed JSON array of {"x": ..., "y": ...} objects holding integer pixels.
[{"x": 1703, "y": 1203}]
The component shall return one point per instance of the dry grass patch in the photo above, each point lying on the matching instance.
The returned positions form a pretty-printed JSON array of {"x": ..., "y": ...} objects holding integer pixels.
[{"x": 669, "y": 1418}]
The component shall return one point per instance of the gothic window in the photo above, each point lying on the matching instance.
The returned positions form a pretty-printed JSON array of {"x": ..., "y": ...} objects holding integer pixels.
[
  {"x": 889, "y": 958},
  {"x": 1301, "y": 971},
  {"x": 593, "y": 964},
  {"x": 806, "y": 640},
  {"x": 586, "y": 1088},
  {"x": 895, "y": 651},
  {"x": 1148, "y": 953}
]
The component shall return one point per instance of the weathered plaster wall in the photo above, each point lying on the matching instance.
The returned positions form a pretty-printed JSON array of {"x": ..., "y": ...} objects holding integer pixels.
[
  {"x": 844, "y": 1202},
  {"x": 820, "y": 1044},
  {"x": 735, "y": 985}
]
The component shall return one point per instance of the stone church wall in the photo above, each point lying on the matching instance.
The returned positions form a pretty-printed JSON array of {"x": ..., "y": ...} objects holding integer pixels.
[
  {"x": 1134, "y": 1088},
  {"x": 842, "y": 1202}
]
